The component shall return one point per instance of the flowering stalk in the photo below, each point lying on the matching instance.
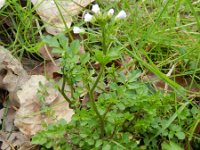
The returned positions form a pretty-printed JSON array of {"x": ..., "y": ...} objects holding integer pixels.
[
  {"x": 101, "y": 72},
  {"x": 102, "y": 20},
  {"x": 104, "y": 41},
  {"x": 91, "y": 91}
]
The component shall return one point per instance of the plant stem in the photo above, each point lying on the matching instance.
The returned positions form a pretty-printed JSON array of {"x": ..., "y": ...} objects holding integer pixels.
[
  {"x": 91, "y": 91},
  {"x": 98, "y": 78},
  {"x": 101, "y": 121},
  {"x": 91, "y": 96},
  {"x": 64, "y": 95},
  {"x": 104, "y": 40},
  {"x": 107, "y": 110},
  {"x": 63, "y": 83}
]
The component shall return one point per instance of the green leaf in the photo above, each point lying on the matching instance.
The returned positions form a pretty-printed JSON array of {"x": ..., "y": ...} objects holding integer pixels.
[
  {"x": 106, "y": 146},
  {"x": 81, "y": 143},
  {"x": 133, "y": 75},
  {"x": 114, "y": 53},
  {"x": 63, "y": 40},
  {"x": 102, "y": 58},
  {"x": 49, "y": 144},
  {"x": 109, "y": 128},
  {"x": 121, "y": 106},
  {"x": 84, "y": 58},
  {"x": 122, "y": 77},
  {"x": 51, "y": 41},
  {"x": 180, "y": 135},
  {"x": 98, "y": 143},
  {"x": 171, "y": 146},
  {"x": 75, "y": 47},
  {"x": 83, "y": 135},
  {"x": 75, "y": 139},
  {"x": 90, "y": 141},
  {"x": 38, "y": 139}
]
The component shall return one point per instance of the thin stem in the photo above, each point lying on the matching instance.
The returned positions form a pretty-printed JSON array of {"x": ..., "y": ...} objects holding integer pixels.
[
  {"x": 63, "y": 83},
  {"x": 62, "y": 90},
  {"x": 114, "y": 131},
  {"x": 64, "y": 95},
  {"x": 71, "y": 88},
  {"x": 104, "y": 40},
  {"x": 91, "y": 96},
  {"x": 98, "y": 78},
  {"x": 107, "y": 110},
  {"x": 101, "y": 121}
]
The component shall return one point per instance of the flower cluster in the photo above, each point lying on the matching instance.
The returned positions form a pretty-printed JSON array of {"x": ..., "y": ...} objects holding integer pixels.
[{"x": 88, "y": 17}]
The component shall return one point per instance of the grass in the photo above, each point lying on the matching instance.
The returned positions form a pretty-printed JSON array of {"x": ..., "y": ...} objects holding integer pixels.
[{"x": 160, "y": 36}]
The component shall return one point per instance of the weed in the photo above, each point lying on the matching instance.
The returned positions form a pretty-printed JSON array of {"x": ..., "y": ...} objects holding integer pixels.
[{"x": 123, "y": 112}]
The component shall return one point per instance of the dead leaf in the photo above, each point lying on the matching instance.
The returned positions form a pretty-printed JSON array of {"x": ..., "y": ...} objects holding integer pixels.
[
  {"x": 48, "y": 68},
  {"x": 30, "y": 116},
  {"x": 24, "y": 89},
  {"x": 1, "y": 115},
  {"x": 49, "y": 11},
  {"x": 46, "y": 52},
  {"x": 9, "y": 118},
  {"x": 10, "y": 141},
  {"x": 14, "y": 75}
]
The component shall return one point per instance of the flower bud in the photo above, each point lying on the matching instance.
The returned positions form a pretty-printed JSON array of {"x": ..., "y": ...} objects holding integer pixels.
[
  {"x": 96, "y": 8},
  {"x": 78, "y": 30},
  {"x": 121, "y": 15},
  {"x": 88, "y": 17},
  {"x": 111, "y": 12}
]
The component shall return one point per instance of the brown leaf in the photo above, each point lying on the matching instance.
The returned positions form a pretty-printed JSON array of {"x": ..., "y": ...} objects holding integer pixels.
[
  {"x": 50, "y": 14},
  {"x": 14, "y": 75},
  {"x": 30, "y": 116},
  {"x": 46, "y": 52},
  {"x": 48, "y": 69},
  {"x": 10, "y": 141},
  {"x": 8, "y": 118}
]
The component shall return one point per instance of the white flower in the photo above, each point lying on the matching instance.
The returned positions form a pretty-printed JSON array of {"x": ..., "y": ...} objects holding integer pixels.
[
  {"x": 121, "y": 15},
  {"x": 111, "y": 12},
  {"x": 78, "y": 30},
  {"x": 96, "y": 8},
  {"x": 2, "y": 3},
  {"x": 88, "y": 17}
]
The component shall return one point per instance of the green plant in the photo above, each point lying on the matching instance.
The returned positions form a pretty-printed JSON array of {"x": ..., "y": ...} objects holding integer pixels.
[{"x": 122, "y": 112}]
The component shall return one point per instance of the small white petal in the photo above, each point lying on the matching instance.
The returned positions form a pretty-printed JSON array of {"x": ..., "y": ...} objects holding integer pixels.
[
  {"x": 78, "y": 30},
  {"x": 88, "y": 17},
  {"x": 2, "y": 3},
  {"x": 121, "y": 15},
  {"x": 96, "y": 8},
  {"x": 111, "y": 12}
]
